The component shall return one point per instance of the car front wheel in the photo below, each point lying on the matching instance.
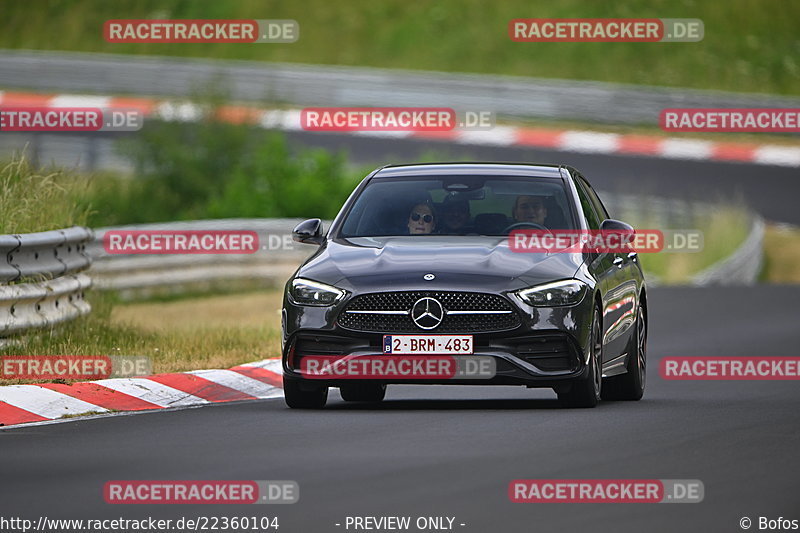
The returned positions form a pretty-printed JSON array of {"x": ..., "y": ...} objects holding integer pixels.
[
  {"x": 586, "y": 392},
  {"x": 630, "y": 385}
]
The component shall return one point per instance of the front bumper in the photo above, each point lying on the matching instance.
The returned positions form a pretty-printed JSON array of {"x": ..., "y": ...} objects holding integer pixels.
[{"x": 546, "y": 350}]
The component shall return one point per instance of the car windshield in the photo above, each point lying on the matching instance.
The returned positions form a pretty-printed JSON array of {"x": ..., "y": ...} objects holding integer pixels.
[{"x": 457, "y": 205}]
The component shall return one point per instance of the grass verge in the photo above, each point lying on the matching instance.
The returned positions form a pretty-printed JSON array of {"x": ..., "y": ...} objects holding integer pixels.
[
  {"x": 190, "y": 334},
  {"x": 749, "y": 45},
  {"x": 781, "y": 254},
  {"x": 34, "y": 200}
]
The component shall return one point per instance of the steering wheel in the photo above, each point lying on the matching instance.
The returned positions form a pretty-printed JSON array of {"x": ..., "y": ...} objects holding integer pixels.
[{"x": 525, "y": 225}]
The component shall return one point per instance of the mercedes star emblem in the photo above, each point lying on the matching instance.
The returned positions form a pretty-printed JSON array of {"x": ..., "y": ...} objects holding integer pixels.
[{"x": 427, "y": 313}]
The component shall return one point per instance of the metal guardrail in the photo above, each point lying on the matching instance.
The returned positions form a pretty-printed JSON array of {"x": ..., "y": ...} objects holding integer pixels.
[
  {"x": 35, "y": 305},
  {"x": 743, "y": 266},
  {"x": 512, "y": 96},
  {"x": 48, "y": 254},
  {"x": 273, "y": 263},
  {"x": 41, "y": 284}
]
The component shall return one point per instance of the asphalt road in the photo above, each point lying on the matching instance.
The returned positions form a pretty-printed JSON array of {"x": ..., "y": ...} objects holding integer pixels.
[{"x": 452, "y": 451}]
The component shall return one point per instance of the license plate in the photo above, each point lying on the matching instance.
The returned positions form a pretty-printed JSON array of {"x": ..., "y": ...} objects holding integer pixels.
[{"x": 427, "y": 344}]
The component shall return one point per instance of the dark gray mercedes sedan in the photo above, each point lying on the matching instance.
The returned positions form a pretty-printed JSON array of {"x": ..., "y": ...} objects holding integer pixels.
[{"x": 421, "y": 279}]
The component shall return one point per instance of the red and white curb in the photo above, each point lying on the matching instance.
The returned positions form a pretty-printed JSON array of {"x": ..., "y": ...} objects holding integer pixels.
[
  {"x": 20, "y": 404},
  {"x": 549, "y": 138}
]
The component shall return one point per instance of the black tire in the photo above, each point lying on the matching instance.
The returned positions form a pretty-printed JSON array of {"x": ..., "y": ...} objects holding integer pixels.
[
  {"x": 301, "y": 395},
  {"x": 363, "y": 392},
  {"x": 586, "y": 392},
  {"x": 630, "y": 385}
]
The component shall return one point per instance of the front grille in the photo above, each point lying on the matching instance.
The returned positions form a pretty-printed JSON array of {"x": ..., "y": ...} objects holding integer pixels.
[{"x": 480, "y": 320}]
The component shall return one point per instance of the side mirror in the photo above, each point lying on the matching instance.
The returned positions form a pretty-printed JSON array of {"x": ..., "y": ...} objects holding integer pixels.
[
  {"x": 308, "y": 232},
  {"x": 625, "y": 231}
]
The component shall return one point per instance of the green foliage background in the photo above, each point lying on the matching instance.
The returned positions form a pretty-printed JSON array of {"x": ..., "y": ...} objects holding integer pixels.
[{"x": 749, "y": 45}]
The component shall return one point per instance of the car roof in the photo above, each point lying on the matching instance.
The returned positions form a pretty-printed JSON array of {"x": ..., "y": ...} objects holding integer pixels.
[{"x": 466, "y": 168}]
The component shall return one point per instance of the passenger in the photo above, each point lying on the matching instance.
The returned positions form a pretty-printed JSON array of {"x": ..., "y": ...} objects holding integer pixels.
[
  {"x": 529, "y": 208},
  {"x": 421, "y": 220},
  {"x": 455, "y": 216}
]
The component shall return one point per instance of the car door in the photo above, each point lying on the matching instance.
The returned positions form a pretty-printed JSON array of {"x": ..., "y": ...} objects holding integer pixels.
[
  {"x": 601, "y": 264},
  {"x": 620, "y": 302}
]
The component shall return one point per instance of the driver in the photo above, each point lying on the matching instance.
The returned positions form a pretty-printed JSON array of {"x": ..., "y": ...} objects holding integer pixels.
[{"x": 529, "y": 208}]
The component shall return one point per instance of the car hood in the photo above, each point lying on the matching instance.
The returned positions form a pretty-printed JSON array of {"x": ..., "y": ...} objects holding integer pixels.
[{"x": 367, "y": 264}]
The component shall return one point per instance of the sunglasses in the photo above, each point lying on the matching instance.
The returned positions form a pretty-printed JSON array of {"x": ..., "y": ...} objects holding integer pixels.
[{"x": 426, "y": 218}]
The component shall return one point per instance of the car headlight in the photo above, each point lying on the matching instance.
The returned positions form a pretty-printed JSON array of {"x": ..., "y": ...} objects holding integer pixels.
[
  {"x": 558, "y": 293},
  {"x": 307, "y": 292}
]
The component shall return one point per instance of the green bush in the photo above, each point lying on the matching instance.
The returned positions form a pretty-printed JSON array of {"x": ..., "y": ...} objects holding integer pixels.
[
  {"x": 212, "y": 169},
  {"x": 273, "y": 183}
]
